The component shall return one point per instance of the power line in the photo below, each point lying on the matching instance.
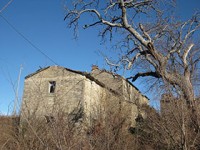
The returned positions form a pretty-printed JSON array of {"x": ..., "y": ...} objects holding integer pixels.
[
  {"x": 5, "y": 6},
  {"x": 26, "y": 39},
  {"x": 16, "y": 101}
]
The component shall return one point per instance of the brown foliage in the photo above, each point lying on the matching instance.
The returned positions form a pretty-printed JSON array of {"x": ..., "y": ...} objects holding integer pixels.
[
  {"x": 171, "y": 128},
  {"x": 61, "y": 133}
]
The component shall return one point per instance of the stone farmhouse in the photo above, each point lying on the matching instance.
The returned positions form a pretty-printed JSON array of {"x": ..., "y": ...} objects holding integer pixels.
[{"x": 80, "y": 95}]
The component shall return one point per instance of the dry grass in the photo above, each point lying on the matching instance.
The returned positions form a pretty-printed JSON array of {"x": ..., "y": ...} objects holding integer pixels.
[
  {"x": 62, "y": 134},
  {"x": 108, "y": 132}
]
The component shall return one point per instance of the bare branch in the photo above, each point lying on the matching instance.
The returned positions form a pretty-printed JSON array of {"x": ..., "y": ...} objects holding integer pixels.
[
  {"x": 129, "y": 27},
  {"x": 151, "y": 61},
  {"x": 78, "y": 14},
  {"x": 111, "y": 6},
  {"x": 132, "y": 3},
  {"x": 145, "y": 33},
  {"x": 90, "y": 25},
  {"x": 194, "y": 25},
  {"x": 186, "y": 54},
  {"x": 142, "y": 53},
  {"x": 145, "y": 74},
  {"x": 111, "y": 63}
]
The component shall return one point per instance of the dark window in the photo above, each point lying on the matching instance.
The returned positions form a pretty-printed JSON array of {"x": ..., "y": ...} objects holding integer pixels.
[
  {"x": 52, "y": 86},
  {"x": 49, "y": 119}
]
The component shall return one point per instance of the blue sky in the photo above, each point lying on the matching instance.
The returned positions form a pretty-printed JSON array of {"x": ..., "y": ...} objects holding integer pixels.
[{"x": 41, "y": 22}]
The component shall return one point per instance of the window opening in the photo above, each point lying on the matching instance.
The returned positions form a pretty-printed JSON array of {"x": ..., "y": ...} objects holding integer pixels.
[
  {"x": 49, "y": 119},
  {"x": 52, "y": 86}
]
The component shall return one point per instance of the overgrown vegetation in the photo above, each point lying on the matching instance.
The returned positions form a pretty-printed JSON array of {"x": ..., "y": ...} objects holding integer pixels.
[
  {"x": 159, "y": 131},
  {"x": 109, "y": 132}
]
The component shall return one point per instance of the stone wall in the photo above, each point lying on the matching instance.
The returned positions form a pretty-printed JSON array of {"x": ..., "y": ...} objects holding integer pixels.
[
  {"x": 109, "y": 80},
  {"x": 68, "y": 92},
  {"x": 131, "y": 97},
  {"x": 91, "y": 94},
  {"x": 121, "y": 85}
]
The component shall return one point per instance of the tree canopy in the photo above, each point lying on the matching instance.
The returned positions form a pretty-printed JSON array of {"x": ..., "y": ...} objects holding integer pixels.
[{"x": 151, "y": 37}]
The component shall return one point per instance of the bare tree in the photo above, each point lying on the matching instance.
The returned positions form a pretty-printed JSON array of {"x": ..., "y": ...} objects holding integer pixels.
[
  {"x": 164, "y": 47},
  {"x": 151, "y": 38}
]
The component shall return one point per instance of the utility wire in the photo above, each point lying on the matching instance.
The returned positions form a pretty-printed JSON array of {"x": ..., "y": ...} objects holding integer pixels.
[
  {"x": 5, "y": 6},
  {"x": 26, "y": 39}
]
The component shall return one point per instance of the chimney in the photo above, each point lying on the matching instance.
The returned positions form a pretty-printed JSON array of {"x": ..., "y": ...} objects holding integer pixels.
[{"x": 94, "y": 67}]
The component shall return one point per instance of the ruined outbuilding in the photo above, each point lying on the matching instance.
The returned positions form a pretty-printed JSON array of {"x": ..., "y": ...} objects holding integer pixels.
[{"x": 80, "y": 95}]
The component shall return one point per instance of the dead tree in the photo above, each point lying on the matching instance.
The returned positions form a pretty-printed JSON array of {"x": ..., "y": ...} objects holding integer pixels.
[
  {"x": 164, "y": 44},
  {"x": 152, "y": 38}
]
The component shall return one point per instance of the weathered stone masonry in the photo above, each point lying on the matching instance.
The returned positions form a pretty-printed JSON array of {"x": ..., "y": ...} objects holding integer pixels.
[{"x": 55, "y": 89}]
